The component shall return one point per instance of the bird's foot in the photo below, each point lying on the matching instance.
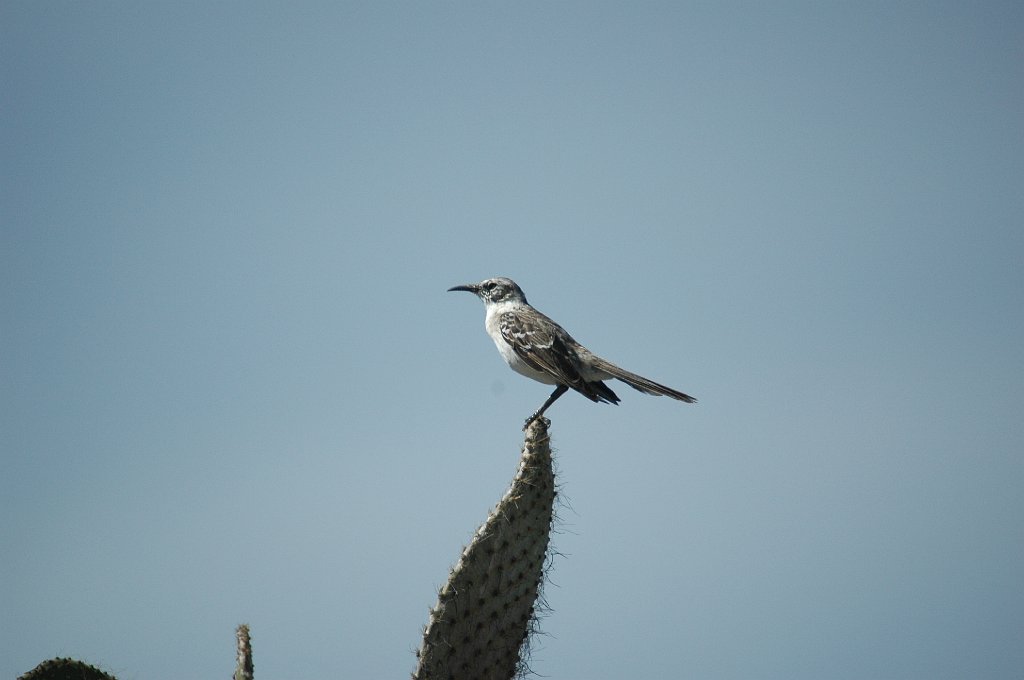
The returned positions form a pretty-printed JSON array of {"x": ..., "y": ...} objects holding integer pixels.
[{"x": 536, "y": 416}]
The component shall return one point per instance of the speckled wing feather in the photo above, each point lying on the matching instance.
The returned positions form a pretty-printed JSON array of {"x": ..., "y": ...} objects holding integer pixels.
[{"x": 546, "y": 347}]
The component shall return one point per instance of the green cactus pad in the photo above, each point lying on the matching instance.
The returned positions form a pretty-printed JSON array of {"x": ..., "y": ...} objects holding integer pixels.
[{"x": 485, "y": 612}]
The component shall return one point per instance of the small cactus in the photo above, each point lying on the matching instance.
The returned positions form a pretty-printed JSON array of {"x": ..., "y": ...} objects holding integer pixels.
[
  {"x": 243, "y": 670},
  {"x": 485, "y": 613},
  {"x": 65, "y": 669}
]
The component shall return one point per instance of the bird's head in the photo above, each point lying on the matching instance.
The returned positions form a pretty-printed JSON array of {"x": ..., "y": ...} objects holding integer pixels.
[{"x": 494, "y": 291}]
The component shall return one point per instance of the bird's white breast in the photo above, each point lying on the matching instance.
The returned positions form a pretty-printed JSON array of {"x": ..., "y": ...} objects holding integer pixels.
[{"x": 492, "y": 323}]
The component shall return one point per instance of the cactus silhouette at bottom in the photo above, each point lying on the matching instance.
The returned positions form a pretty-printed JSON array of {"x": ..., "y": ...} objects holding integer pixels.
[
  {"x": 65, "y": 669},
  {"x": 485, "y": 613}
]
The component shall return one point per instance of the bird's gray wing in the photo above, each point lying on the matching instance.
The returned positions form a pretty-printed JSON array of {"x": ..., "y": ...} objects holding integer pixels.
[{"x": 544, "y": 346}]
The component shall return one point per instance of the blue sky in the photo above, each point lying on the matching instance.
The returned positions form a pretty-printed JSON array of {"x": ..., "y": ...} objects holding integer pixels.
[{"x": 235, "y": 389}]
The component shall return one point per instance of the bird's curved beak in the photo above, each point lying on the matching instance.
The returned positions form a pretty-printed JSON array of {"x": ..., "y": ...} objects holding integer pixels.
[{"x": 469, "y": 288}]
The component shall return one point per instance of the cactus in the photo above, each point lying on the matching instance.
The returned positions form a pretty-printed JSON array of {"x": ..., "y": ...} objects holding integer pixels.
[
  {"x": 65, "y": 669},
  {"x": 485, "y": 613},
  {"x": 244, "y": 669}
]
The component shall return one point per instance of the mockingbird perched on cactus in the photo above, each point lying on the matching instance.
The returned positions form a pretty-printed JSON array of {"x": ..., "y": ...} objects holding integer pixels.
[{"x": 537, "y": 347}]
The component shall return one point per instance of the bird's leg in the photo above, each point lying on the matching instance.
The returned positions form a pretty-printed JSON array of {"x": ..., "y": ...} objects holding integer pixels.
[{"x": 559, "y": 391}]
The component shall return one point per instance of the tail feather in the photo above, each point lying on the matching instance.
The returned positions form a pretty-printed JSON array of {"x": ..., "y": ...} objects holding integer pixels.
[
  {"x": 599, "y": 392},
  {"x": 640, "y": 383}
]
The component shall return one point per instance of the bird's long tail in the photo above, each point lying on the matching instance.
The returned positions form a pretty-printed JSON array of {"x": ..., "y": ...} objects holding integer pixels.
[{"x": 638, "y": 382}]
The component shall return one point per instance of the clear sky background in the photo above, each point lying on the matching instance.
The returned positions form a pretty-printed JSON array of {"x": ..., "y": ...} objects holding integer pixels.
[{"x": 234, "y": 388}]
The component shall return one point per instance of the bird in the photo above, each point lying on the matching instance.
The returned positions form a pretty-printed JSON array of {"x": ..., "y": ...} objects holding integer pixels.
[{"x": 533, "y": 345}]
